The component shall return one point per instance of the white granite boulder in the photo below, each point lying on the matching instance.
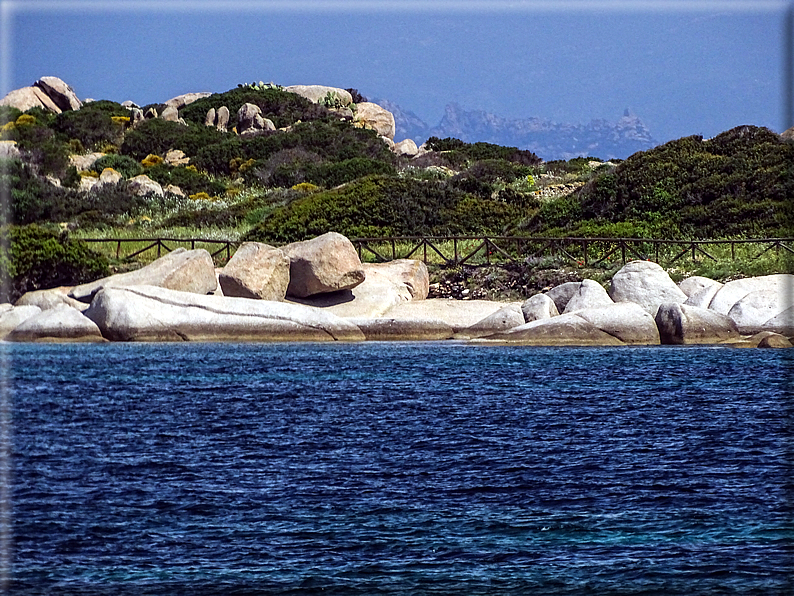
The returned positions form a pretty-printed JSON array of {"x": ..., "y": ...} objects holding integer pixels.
[
  {"x": 645, "y": 283},
  {"x": 60, "y": 93},
  {"x": 503, "y": 319},
  {"x": 406, "y": 147},
  {"x": 681, "y": 324},
  {"x": 372, "y": 116},
  {"x": 250, "y": 120},
  {"x": 457, "y": 314},
  {"x": 61, "y": 323},
  {"x": 627, "y": 321},
  {"x": 590, "y": 294},
  {"x": 564, "y": 330},
  {"x": 13, "y": 316},
  {"x": 411, "y": 273},
  {"x": 110, "y": 176},
  {"x": 695, "y": 283},
  {"x": 257, "y": 271},
  {"x": 47, "y": 299},
  {"x": 318, "y": 93},
  {"x": 149, "y": 313},
  {"x": 782, "y": 323},
  {"x": 753, "y": 310},
  {"x": 327, "y": 263},
  {"x": 184, "y": 270},
  {"x": 537, "y": 307},
  {"x": 180, "y": 101},
  {"x": 735, "y": 290},
  {"x": 562, "y": 293},
  {"x": 29, "y": 97},
  {"x": 702, "y": 297},
  {"x": 142, "y": 185}
]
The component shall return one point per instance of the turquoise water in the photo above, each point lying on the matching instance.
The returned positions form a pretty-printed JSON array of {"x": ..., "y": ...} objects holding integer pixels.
[{"x": 416, "y": 468}]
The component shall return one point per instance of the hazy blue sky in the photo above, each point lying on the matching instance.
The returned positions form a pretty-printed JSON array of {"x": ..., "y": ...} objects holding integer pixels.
[{"x": 685, "y": 67}]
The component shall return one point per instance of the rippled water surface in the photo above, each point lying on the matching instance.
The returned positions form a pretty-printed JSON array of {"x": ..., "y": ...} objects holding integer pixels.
[{"x": 384, "y": 468}]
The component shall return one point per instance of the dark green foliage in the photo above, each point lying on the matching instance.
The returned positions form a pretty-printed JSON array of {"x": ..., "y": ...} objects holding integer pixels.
[
  {"x": 156, "y": 136},
  {"x": 334, "y": 174},
  {"x": 357, "y": 97},
  {"x": 461, "y": 153},
  {"x": 215, "y": 158},
  {"x": 35, "y": 258},
  {"x": 190, "y": 181},
  {"x": 123, "y": 164},
  {"x": 281, "y": 107},
  {"x": 92, "y": 124},
  {"x": 45, "y": 149},
  {"x": 8, "y": 114},
  {"x": 72, "y": 178},
  {"x": 385, "y": 206}
]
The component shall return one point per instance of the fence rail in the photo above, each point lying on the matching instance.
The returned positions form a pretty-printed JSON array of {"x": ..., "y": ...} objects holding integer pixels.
[{"x": 461, "y": 250}]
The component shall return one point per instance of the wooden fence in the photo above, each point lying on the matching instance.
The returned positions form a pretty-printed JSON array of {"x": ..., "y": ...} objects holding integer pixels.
[{"x": 461, "y": 250}]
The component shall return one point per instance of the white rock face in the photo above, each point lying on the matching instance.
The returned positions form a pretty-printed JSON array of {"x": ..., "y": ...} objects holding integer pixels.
[
  {"x": 645, "y": 283},
  {"x": 143, "y": 185},
  {"x": 782, "y": 323},
  {"x": 538, "y": 307},
  {"x": 327, "y": 263},
  {"x": 12, "y": 317},
  {"x": 149, "y": 313},
  {"x": 735, "y": 290},
  {"x": 84, "y": 162},
  {"x": 627, "y": 321},
  {"x": 29, "y": 97},
  {"x": 257, "y": 271},
  {"x": 695, "y": 283},
  {"x": 381, "y": 120},
  {"x": 9, "y": 150},
  {"x": 184, "y": 270},
  {"x": 684, "y": 324},
  {"x": 60, "y": 93},
  {"x": 411, "y": 273},
  {"x": 176, "y": 157},
  {"x": 47, "y": 299},
  {"x": 503, "y": 319},
  {"x": 170, "y": 113},
  {"x": 62, "y": 323},
  {"x": 457, "y": 314},
  {"x": 590, "y": 294},
  {"x": 564, "y": 330},
  {"x": 317, "y": 93},
  {"x": 752, "y": 311}
]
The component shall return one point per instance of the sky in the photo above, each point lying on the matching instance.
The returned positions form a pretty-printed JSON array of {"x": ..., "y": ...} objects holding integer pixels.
[{"x": 683, "y": 66}]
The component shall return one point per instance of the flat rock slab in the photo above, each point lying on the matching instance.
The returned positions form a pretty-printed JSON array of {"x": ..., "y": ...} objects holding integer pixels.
[
  {"x": 149, "y": 313},
  {"x": 458, "y": 314},
  {"x": 184, "y": 270},
  {"x": 503, "y": 319},
  {"x": 564, "y": 330},
  {"x": 61, "y": 323},
  {"x": 385, "y": 329}
]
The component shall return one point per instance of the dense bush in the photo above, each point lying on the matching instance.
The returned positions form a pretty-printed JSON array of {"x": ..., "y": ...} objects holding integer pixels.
[
  {"x": 123, "y": 164},
  {"x": 281, "y": 107},
  {"x": 92, "y": 124},
  {"x": 32, "y": 134},
  {"x": 385, "y": 206},
  {"x": 156, "y": 136},
  {"x": 34, "y": 258},
  {"x": 460, "y": 153},
  {"x": 188, "y": 179}
]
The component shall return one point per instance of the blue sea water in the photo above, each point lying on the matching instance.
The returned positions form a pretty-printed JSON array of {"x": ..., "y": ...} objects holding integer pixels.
[{"x": 416, "y": 468}]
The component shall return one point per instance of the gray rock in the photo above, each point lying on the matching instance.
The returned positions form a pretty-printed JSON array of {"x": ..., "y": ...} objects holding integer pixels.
[
  {"x": 180, "y": 101},
  {"x": 222, "y": 120},
  {"x": 11, "y": 318},
  {"x": 503, "y": 319},
  {"x": 61, "y": 323},
  {"x": 702, "y": 298},
  {"x": 9, "y": 150},
  {"x": 406, "y": 147},
  {"x": 590, "y": 294},
  {"x": 142, "y": 185},
  {"x": 538, "y": 307},
  {"x": 385, "y": 329},
  {"x": 695, "y": 283},
  {"x": 47, "y": 299},
  {"x": 318, "y": 93},
  {"x": 371, "y": 115},
  {"x": 148, "y": 313},
  {"x": 209, "y": 120},
  {"x": 176, "y": 157},
  {"x": 775, "y": 340},
  {"x": 327, "y": 263},
  {"x": 29, "y": 97},
  {"x": 411, "y": 273},
  {"x": 457, "y": 314},
  {"x": 185, "y": 270},
  {"x": 645, "y": 283},
  {"x": 172, "y": 189},
  {"x": 753, "y": 310},
  {"x": 110, "y": 176},
  {"x": 683, "y": 324},
  {"x": 87, "y": 183},
  {"x": 170, "y": 113},
  {"x": 735, "y": 290},
  {"x": 250, "y": 121},
  {"x": 562, "y": 293},
  {"x": 782, "y": 323},
  {"x": 257, "y": 271},
  {"x": 60, "y": 93},
  {"x": 84, "y": 162},
  {"x": 150, "y": 113},
  {"x": 564, "y": 330},
  {"x": 627, "y": 321}
]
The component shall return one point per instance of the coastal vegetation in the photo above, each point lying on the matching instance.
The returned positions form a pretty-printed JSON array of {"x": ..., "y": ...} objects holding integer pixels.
[{"x": 319, "y": 171}]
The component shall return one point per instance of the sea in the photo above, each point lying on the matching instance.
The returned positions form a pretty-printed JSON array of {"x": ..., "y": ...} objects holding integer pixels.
[{"x": 438, "y": 468}]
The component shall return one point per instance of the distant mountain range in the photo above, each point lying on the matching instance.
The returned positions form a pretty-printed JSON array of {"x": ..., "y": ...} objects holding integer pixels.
[{"x": 549, "y": 140}]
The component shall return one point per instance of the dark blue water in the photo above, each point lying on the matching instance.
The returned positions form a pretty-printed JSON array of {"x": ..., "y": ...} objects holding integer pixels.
[{"x": 400, "y": 469}]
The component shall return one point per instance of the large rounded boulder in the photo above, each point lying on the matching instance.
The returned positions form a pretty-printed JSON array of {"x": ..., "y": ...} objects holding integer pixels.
[
  {"x": 328, "y": 263},
  {"x": 645, "y": 283}
]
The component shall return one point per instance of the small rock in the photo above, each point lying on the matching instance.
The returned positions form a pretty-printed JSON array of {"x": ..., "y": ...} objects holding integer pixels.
[
  {"x": 110, "y": 176},
  {"x": 142, "y": 185}
]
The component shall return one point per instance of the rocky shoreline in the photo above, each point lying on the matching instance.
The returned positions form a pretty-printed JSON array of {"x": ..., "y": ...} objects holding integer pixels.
[{"x": 318, "y": 290}]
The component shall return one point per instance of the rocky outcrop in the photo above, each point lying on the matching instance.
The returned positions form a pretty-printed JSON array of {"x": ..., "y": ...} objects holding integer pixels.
[
  {"x": 327, "y": 263},
  {"x": 775, "y": 340},
  {"x": 782, "y": 323},
  {"x": 29, "y": 97},
  {"x": 61, "y": 323},
  {"x": 222, "y": 118},
  {"x": 406, "y": 147},
  {"x": 9, "y": 150},
  {"x": 411, "y": 273},
  {"x": 538, "y": 307},
  {"x": 250, "y": 120},
  {"x": 256, "y": 271},
  {"x": 681, "y": 324},
  {"x": 170, "y": 114},
  {"x": 590, "y": 294},
  {"x": 142, "y": 185},
  {"x": 702, "y": 297},
  {"x": 84, "y": 162},
  {"x": 47, "y": 299},
  {"x": 562, "y": 293},
  {"x": 60, "y": 93},
  {"x": 385, "y": 329},
  {"x": 184, "y": 270},
  {"x": 371, "y": 115},
  {"x": 148, "y": 313},
  {"x": 318, "y": 93},
  {"x": 176, "y": 157},
  {"x": 110, "y": 176},
  {"x": 180, "y": 101},
  {"x": 645, "y": 283}
]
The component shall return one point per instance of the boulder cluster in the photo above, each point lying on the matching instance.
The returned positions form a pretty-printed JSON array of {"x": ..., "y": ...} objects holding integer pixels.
[{"x": 319, "y": 290}]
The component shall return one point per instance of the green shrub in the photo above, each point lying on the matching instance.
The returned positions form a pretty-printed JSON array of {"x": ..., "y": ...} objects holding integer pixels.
[
  {"x": 189, "y": 180},
  {"x": 156, "y": 137},
  {"x": 8, "y": 114},
  {"x": 123, "y": 164},
  {"x": 34, "y": 258},
  {"x": 461, "y": 153},
  {"x": 217, "y": 158},
  {"x": 92, "y": 124}
]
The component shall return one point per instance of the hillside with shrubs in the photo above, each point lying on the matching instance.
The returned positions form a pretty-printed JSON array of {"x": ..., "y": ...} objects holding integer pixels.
[{"x": 77, "y": 174}]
